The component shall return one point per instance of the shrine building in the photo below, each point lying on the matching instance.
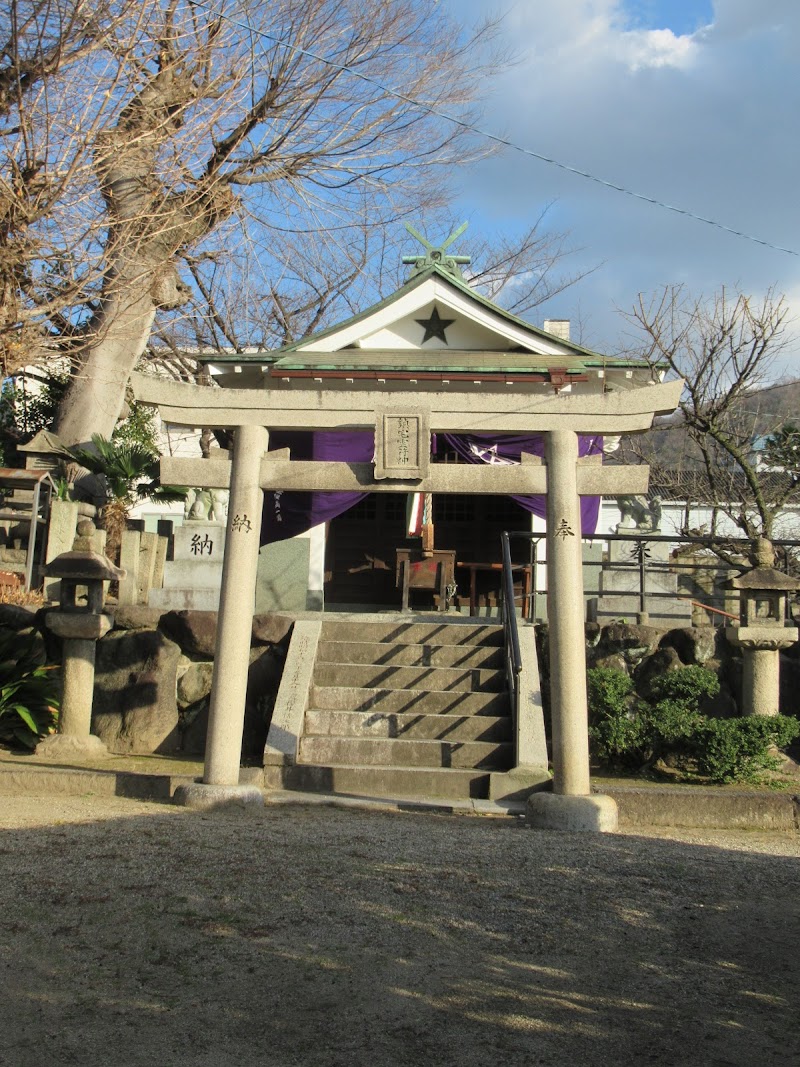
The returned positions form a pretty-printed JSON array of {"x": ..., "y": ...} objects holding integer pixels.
[
  {"x": 433, "y": 393},
  {"x": 342, "y": 551}
]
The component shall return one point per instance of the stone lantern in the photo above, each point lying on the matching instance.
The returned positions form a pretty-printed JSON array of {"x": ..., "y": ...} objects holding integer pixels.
[
  {"x": 764, "y": 629},
  {"x": 80, "y": 626}
]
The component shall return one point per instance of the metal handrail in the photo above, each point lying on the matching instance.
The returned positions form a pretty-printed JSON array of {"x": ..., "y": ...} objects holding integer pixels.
[{"x": 513, "y": 655}]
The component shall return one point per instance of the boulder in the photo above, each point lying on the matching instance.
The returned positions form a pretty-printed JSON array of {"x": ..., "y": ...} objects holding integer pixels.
[
  {"x": 194, "y": 684},
  {"x": 633, "y": 642},
  {"x": 136, "y": 617},
  {"x": 13, "y": 617},
  {"x": 614, "y": 662},
  {"x": 135, "y": 708},
  {"x": 694, "y": 644},
  {"x": 194, "y": 727},
  {"x": 263, "y": 679},
  {"x": 271, "y": 629},
  {"x": 665, "y": 659},
  {"x": 194, "y": 631}
]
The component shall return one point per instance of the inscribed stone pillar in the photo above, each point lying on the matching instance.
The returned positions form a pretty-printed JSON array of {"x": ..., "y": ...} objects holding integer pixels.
[
  {"x": 570, "y": 806},
  {"x": 236, "y": 606},
  {"x": 566, "y": 617}
]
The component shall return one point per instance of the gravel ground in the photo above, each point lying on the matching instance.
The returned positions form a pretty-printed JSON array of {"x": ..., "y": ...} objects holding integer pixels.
[{"x": 134, "y": 933}]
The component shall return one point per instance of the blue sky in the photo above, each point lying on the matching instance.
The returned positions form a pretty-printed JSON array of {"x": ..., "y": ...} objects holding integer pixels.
[
  {"x": 680, "y": 16},
  {"x": 695, "y": 104}
]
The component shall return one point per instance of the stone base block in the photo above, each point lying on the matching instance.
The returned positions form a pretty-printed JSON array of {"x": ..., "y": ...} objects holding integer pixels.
[
  {"x": 660, "y": 612},
  {"x": 554, "y": 811},
  {"x": 72, "y": 747},
  {"x": 518, "y": 783},
  {"x": 184, "y": 599},
  {"x": 199, "y": 795}
]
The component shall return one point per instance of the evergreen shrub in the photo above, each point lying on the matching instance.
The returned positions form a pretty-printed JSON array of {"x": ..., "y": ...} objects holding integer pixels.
[{"x": 628, "y": 731}]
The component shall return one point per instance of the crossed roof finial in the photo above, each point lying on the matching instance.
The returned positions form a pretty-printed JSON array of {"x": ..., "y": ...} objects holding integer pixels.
[{"x": 436, "y": 255}]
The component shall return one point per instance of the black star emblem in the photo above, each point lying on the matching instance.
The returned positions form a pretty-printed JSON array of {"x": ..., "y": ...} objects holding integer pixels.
[{"x": 435, "y": 326}]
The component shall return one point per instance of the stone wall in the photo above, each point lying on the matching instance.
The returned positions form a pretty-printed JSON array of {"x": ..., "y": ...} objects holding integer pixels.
[
  {"x": 153, "y": 677},
  {"x": 645, "y": 651},
  {"x": 154, "y": 668}
]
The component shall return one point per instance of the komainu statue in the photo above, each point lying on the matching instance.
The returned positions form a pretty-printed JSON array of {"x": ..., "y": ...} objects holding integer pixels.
[{"x": 640, "y": 514}]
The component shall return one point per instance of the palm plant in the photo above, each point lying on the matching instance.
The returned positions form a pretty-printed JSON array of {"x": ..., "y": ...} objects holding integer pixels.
[
  {"x": 129, "y": 472},
  {"x": 28, "y": 692}
]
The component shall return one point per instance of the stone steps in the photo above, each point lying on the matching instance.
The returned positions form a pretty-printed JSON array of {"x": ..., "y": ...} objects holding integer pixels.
[
  {"x": 430, "y": 679},
  {"x": 410, "y": 655},
  {"x": 403, "y": 709},
  {"x": 390, "y": 752},
  {"x": 413, "y": 633},
  {"x": 404, "y": 783},
  {"x": 381, "y": 724},
  {"x": 398, "y": 701}
]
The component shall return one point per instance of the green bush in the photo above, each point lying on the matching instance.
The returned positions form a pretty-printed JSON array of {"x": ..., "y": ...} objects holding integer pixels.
[
  {"x": 608, "y": 689},
  {"x": 690, "y": 685},
  {"x": 629, "y": 732},
  {"x": 616, "y": 728},
  {"x": 739, "y": 750},
  {"x": 28, "y": 692}
]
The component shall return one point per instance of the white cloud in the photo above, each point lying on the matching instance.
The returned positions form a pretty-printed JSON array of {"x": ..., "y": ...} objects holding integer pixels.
[
  {"x": 704, "y": 121},
  {"x": 640, "y": 49}
]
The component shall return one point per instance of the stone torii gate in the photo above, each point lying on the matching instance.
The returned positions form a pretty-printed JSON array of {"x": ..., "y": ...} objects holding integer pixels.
[{"x": 403, "y": 419}]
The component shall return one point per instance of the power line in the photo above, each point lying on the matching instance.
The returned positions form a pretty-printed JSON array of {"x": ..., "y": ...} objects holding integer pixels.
[{"x": 494, "y": 137}]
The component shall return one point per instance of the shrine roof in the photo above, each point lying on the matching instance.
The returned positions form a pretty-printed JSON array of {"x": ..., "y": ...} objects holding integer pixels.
[
  {"x": 526, "y": 343},
  {"x": 443, "y": 360}
]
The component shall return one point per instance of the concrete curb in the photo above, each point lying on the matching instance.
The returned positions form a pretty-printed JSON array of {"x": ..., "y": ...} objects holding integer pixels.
[
  {"x": 686, "y": 806},
  {"x": 704, "y": 807},
  {"x": 18, "y": 780}
]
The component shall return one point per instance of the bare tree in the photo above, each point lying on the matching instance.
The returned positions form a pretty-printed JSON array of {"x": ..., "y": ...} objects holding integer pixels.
[
  {"x": 139, "y": 138},
  {"x": 313, "y": 280},
  {"x": 727, "y": 349}
]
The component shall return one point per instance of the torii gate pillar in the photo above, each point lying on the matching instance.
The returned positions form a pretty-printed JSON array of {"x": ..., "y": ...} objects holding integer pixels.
[
  {"x": 571, "y": 805},
  {"x": 220, "y": 783}
]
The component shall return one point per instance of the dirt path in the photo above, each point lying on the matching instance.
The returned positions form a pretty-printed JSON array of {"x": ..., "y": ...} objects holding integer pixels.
[{"x": 135, "y": 934}]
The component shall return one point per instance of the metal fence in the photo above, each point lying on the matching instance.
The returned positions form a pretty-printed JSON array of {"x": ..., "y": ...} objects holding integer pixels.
[{"x": 648, "y": 577}]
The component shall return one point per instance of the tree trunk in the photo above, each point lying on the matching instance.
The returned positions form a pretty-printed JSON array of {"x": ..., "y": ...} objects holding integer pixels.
[{"x": 93, "y": 402}]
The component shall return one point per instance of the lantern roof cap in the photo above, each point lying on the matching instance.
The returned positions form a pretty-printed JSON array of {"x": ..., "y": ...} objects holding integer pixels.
[
  {"x": 766, "y": 578},
  {"x": 84, "y": 566}
]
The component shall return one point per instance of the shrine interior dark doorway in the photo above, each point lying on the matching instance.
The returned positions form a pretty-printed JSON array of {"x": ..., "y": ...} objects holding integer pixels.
[{"x": 361, "y": 546}]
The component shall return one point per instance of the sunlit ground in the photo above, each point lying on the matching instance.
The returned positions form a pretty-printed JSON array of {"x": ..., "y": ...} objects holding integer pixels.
[{"x": 136, "y": 933}]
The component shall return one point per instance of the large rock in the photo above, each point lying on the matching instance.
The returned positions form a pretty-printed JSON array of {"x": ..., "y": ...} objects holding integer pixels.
[
  {"x": 694, "y": 644},
  {"x": 263, "y": 679},
  {"x": 135, "y": 709},
  {"x": 615, "y": 662},
  {"x": 194, "y": 684},
  {"x": 135, "y": 617},
  {"x": 665, "y": 659},
  {"x": 13, "y": 617},
  {"x": 194, "y": 631},
  {"x": 633, "y": 642},
  {"x": 271, "y": 629}
]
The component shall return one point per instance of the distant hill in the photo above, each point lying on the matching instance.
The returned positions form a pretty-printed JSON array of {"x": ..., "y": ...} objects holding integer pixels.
[{"x": 668, "y": 446}]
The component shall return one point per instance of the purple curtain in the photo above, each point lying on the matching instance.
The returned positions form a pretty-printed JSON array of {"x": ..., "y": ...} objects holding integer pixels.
[
  {"x": 503, "y": 449},
  {"x": 287, "y": 514}
]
